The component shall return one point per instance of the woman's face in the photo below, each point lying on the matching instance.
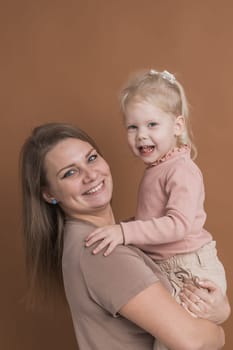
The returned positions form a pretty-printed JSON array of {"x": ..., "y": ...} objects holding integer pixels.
[{"x": 78, "y": 178}]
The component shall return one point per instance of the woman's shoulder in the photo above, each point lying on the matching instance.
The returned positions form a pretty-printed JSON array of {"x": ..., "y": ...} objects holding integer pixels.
[
  {"x": 75, "y": 232},
  {"x": 77, "y": 229},
  {"x": 72, "y": 223}
]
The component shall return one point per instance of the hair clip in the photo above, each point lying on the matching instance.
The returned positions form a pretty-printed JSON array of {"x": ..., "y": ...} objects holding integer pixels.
[
  {"x": 153, "y": 72},
  {"x": 168, "y": 76}
]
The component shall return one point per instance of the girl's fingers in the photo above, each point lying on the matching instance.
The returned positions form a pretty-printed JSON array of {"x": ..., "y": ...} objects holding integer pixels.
[
  {"x": 95, "y": 238},
  {"x": 105, "y": 243},
  {"x": 110, "y": 249},
  {"x": 92, "y": 234},
  {"x": 100, "y": 246}
]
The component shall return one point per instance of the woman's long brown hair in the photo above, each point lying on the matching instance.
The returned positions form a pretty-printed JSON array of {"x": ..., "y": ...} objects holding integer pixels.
[{"x": 43, "y": 223}]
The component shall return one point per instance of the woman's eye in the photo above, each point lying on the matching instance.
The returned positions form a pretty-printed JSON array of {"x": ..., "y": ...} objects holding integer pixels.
[
  {"x": 92, "y": 157},
  {"x": 70, "y": 173}
]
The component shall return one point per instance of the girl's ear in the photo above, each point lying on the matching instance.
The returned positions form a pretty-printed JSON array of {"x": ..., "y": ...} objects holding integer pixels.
[{"x": 179, "y": 125}]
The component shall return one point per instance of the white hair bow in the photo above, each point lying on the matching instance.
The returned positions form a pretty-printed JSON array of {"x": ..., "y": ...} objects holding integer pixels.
[{"x": 165, "y": 75}]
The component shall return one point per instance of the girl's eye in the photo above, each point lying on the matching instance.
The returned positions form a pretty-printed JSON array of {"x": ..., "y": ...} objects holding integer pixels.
[
  {"x": 131, "y": 127},
  {"x": 152, "y": 124},
  {"x": 70, "y": 172}
]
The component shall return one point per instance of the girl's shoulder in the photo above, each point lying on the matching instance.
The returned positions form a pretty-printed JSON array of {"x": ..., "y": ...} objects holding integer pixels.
[{"x": 184, "y": 168}]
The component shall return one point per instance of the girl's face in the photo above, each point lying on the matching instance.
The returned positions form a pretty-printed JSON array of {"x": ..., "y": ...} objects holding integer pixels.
[
  {"x": 151, "y": 132},
  {"x": 78, "y": 178}
]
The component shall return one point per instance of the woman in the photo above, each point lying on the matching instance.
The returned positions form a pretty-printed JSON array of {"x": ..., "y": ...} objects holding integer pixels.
[{"x": 119, "y": 302}]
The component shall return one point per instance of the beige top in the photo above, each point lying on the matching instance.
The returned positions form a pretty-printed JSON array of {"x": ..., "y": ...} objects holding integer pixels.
[{"x": 97, "y": 287}]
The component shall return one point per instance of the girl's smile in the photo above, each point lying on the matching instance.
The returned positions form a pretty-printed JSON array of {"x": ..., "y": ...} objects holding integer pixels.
[{"x": 151, "y": 131}]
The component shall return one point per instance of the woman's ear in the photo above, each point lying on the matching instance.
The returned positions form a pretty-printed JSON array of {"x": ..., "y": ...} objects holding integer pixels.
[
  {"x": 47, "y": 195},
  {"x": 179, "y": 125}
]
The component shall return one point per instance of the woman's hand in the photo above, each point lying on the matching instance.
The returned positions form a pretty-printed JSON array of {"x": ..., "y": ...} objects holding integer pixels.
[
  {"x": 154, "y": 310},
  {"x": 204, "y": 299},
  {"x": 110, "y": 237}
]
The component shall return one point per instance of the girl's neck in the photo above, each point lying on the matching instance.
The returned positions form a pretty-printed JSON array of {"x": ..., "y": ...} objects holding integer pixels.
[{"x": 172, "y": 152}]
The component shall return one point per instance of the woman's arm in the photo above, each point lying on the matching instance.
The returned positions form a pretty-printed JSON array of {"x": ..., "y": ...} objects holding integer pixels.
[
  {"x": 206, "y": 300},
  {"x": 159, "y": 314}
]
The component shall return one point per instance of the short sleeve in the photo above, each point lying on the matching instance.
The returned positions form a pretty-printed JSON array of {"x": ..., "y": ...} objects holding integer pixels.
[{"x": 113, "y": 280}]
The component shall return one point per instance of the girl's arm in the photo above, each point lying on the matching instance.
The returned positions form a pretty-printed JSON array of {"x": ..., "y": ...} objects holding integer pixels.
[
  {"x": 185, "y": 194},
  {"x": 183, "y": 212},
  {"x": 158, "y": 313}
]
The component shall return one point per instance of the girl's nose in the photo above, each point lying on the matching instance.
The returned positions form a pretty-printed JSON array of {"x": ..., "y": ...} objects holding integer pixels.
[
  {"x": 89, "y": 175},
  {"x": 142, "y": 135}
]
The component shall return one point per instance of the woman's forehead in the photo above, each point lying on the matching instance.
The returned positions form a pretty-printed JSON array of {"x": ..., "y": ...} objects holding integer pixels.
[{"x": 67, "y": 150}]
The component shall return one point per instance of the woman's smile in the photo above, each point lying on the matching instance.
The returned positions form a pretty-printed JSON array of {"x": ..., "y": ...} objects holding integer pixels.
[
  {"x": 78, "y": 177},
  {"x": 95, "y": 190}
]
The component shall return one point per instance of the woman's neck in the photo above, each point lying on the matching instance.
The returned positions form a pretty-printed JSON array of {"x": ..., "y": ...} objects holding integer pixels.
[{"x": 99, "y": 218}]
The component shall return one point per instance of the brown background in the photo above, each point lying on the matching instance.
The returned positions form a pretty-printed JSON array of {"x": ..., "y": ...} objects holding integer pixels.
[{"x": 66, "y": 60}]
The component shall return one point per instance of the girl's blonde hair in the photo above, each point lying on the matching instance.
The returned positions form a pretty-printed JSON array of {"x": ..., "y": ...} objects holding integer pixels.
[{"x": 163, "y": 90}]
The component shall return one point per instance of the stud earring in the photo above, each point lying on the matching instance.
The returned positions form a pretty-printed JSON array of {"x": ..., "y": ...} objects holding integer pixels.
[{"x": 53, "y": 201}]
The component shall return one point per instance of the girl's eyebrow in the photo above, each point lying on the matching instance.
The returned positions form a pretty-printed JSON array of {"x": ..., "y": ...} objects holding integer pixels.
[{"x": 73, "y": 164}]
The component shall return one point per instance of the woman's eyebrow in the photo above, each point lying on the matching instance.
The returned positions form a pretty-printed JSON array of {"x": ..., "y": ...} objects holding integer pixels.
[
  {"x": 65, "y": 167},
  {"x": 87, "y": 155},
  {"x": 73, "y": 164}
]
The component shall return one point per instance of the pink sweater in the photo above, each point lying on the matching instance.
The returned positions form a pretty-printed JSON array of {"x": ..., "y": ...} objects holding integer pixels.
[{"x": 170, "y": 215}]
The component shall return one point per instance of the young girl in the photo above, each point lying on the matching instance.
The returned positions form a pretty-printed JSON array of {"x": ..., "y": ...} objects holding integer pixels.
[{"x": 170, "y": 216}]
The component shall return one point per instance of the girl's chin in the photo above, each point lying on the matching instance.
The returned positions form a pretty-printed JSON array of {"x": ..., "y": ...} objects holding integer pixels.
[{"x": 149, "y": 158}]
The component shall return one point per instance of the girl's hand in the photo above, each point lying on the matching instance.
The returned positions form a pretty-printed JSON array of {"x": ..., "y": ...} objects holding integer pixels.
[
  {"x": 111, "y": 236},
  {"x": 205, "y": 300}
]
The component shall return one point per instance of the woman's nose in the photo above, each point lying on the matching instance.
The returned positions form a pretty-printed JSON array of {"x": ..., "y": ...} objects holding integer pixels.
[{"x": 89, "y": 175}]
